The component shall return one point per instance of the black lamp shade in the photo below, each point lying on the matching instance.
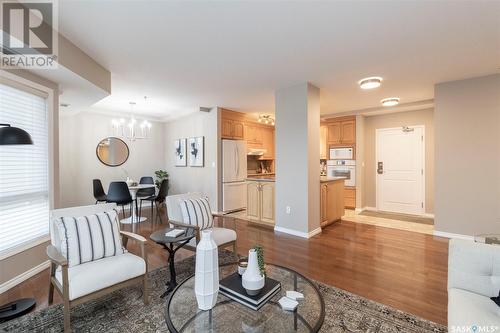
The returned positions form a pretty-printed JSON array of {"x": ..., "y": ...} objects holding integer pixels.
[{"x": 14, "y": 136}]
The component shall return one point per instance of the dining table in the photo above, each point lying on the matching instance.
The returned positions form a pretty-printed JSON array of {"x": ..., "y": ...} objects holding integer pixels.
[{"x": 133, "y": 193}]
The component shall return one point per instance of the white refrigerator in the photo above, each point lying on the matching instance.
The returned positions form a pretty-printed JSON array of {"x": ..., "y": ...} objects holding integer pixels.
[{"x": 234, "y": 173}]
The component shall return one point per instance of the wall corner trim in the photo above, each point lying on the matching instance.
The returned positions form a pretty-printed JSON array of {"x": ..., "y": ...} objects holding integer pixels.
[
  {"x": 24, "y": 276},
  {"x": 298, "y": 233},
  {"x": 452, "y": 235}
]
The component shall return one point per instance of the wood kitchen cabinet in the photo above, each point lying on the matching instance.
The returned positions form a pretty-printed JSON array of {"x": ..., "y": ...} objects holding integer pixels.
[
  {"x": 331, "y": 201},
  {"x": 342, "y": 131},
  {"x": 267, "y": 202},
  {"x": 348, "y": 132},
  {"x": 253, "y": 200},
  {"x": 232, "y": 125},
  {"x": 268, "y": 143},
  {"x": 260, "y": 201},
  {"x": 350, "y": 197},
  {"x": 232, "y": 129},
  {"x": 334, "y": 133},
  {"x": 323, "y": 147},
  {"x": 253, "y": 134}
]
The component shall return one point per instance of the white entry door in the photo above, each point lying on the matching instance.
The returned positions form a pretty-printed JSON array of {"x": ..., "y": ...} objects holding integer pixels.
[{"x": 400, "y": 169}]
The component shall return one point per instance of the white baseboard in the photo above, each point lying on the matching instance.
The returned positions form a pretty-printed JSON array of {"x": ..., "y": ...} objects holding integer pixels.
[
  {"x": 452, "y": 235},
  {"x": 24, "y": 276},
  {"x": 315, "y": 232},
  {"x": 358, "y": 210},
  {"x": 428, "y": 215},
  {"x": 370, "y": 209},
  {"x": 298, "y": 233}
]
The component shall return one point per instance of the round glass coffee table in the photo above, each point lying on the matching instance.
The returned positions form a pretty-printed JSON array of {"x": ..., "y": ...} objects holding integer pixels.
[{"x": 182, "y": 313}]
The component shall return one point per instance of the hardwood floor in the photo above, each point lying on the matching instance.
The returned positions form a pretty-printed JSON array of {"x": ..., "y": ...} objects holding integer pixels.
[{"x": 402, "y": 269}]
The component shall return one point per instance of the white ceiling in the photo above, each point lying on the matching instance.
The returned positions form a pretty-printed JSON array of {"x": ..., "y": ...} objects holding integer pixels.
[{"x": 236, "y": 54}]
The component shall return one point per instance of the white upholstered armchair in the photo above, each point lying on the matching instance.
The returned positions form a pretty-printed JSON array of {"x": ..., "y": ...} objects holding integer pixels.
[
  {"x": 473, "y": 277},
  {"x": 223, "y": 237},
  {"x": 88, "y": 259}
]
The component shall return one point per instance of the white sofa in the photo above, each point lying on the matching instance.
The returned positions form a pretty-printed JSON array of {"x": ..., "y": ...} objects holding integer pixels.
[{"x": 473, "y": 277}]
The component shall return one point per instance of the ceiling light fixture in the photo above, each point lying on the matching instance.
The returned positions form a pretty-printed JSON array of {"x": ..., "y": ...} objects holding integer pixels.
[
  {"x": 131, "y": 132},
  {"x": 370, "y": 82},
  {"x": 266, "y": 119},
  {"x": 391, "y": 101}
]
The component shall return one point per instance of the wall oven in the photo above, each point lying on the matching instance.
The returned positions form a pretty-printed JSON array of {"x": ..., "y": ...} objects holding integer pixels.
[
  {"x": 344, "y": 153},
  {"x": 342, "y": 168}
]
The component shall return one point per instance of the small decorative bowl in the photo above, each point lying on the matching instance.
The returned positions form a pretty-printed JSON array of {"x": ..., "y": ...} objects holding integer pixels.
[{"x": 242, "y": 266}]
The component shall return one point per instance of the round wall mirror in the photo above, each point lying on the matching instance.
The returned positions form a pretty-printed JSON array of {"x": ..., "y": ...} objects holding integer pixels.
[{"x": 112, "y": 151}]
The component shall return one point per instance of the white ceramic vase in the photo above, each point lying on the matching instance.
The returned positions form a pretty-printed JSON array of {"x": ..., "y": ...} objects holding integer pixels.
[
  {"x": 252, "y": 280},
  {"x": 129, "y": 181},
  {"x": 206, "y": 283}
]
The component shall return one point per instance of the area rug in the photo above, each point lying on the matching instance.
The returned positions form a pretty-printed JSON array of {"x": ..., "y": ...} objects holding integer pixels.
[
  {"x": 400, "y": 217},
  {"x": 124, "y": 311}
]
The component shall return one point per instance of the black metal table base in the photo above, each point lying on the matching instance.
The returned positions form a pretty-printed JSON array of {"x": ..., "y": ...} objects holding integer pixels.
[{"x": 171, "y": 254}]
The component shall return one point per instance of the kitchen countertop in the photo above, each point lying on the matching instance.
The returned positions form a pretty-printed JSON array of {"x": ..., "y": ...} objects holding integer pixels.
[
  {"x": 272, "y": 178},
  {"x": 325, "y": 179},
  {"x": 262, "y": 178}
]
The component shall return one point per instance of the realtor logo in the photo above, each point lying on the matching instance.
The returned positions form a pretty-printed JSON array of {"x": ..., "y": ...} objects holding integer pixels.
[{"x": 29, "y": 34}]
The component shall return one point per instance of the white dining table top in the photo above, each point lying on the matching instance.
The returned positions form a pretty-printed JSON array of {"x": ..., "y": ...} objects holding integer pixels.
[{"x": 141, "y": 186}]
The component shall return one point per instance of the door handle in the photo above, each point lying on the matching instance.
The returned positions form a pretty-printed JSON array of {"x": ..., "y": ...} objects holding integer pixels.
[
  {"x": 237, "y": 161},
  {"x": 380, "y": 168}
]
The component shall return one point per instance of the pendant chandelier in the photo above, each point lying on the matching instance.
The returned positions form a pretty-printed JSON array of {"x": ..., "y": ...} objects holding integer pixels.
[
  {"x": 131, "y": 129},
  {"x": 266, "y": 119}
]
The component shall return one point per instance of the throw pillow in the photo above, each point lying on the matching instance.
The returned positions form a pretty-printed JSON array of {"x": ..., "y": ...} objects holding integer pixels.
[
  {"x": 197, "y": 212},
  {"x": 89, "y": 238}
]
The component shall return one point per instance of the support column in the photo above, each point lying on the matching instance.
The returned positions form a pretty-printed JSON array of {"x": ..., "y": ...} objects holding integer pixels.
[{"x": 297, "y": 160}]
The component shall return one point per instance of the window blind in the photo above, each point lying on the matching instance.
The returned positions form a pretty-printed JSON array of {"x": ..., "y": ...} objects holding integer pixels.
[{"x": 24, "y": 172}]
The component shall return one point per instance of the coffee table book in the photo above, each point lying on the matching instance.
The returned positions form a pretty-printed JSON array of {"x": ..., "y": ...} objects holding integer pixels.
[{"x": 231, "y": 287}]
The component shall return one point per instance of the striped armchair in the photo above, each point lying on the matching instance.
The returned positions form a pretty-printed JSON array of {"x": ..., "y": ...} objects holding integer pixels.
[
  {"x": 88, "y": 258},
  {"x": 223, "y": 237}
]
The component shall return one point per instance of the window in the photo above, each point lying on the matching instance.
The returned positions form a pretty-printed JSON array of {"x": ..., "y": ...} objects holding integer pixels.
[{"x": 24, "y": 172}]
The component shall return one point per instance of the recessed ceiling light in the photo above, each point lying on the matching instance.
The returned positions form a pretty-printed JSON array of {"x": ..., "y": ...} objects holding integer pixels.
[
  {"x": 370, "y": 82},
  {"x": 391, "y": 101}
]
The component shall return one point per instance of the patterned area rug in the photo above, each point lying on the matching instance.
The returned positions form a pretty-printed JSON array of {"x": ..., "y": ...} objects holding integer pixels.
[{"x": 124, "y": 311}]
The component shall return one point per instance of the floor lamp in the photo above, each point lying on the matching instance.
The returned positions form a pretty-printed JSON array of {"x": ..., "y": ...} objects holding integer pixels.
[{"x": 15, "y": 136}]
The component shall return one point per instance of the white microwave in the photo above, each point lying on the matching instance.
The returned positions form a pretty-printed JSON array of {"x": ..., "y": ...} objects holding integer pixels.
[{"x": 341, "y": 153}]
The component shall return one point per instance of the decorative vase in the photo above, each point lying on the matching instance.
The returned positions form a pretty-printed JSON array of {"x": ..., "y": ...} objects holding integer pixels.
[
  {"x": 206, "y": 283},
  {"x": 252, "y": 280},
  {"x": 129, "y": 181}
]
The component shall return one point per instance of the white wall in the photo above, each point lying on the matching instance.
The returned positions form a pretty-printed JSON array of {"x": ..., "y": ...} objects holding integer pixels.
[
  {"x": 194, "y": 179},
  {"x": 467, "y": 129},
  {"x": 79, "y": 136},
  {"x": 297, "y": 156}
]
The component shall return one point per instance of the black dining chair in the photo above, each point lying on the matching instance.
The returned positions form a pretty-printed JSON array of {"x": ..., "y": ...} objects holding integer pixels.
[
  {"x": 146, "y": 193},
  {"x": 159, "y": 198},
  {"x": 99, "y": 194},
  {"x": 119, "y": 193}
]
